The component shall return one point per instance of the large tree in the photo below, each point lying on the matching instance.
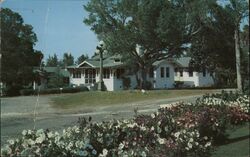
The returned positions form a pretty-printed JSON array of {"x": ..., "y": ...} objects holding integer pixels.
[
  {"x": 160, "y": 28},
  {"x": 68, "y": 59},
  {"x": 18, "y": 54},
  {"x": 213, "y": 46},
  {"x": 216, "y": 46},
  {"x": 238, "y": 10}
]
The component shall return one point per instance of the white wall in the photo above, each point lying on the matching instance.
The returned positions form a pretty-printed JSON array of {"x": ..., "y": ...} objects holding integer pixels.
[
  {"x": 205, "y": 81},
  {"x": 76, "y": 81},
  {"x": 188, "y": 81},
  {"x": 163, "y": 82},
  {"x": 197, "y": 80}
]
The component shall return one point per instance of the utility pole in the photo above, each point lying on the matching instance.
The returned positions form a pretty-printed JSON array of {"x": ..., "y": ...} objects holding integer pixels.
[{"x": 100, "y": 49}]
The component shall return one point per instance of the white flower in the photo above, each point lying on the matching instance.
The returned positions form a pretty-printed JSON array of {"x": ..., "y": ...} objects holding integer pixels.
[
  {"x": 39, "y": 139},
  {"x": 11, "y": 142},
  {"x": 104, "y": 153},
  {"x": 177, "y": 134},
  {"x": 50, "y": 134},
  {"x": 29, "y": 132},
  {"x": 143, "y": 154},
  {"x": 208, "y": 144},
  {"x": 190, "y": 145},
  {"x": 153, "y": 115},
  {"x": 205, "y": 137},
  {"x": 152, "y": 128},
  {"x": 121, "y": 145},
  {"x": 30, "y": 142},
  {"x": 24, "y": 132},
  {"x": 161, "y": 140},
  {"x": 191, "y": 140},
  {"x": 143, "y": 128}
]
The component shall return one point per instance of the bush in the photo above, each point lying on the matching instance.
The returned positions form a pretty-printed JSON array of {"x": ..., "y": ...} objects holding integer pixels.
[
  {"x": 13, "y": 90},
  {"x": 178, "y": 84},
  {"x": 27, "y": 92}
]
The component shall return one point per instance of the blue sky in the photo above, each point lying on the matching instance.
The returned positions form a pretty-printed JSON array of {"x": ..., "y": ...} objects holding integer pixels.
[{"x": 58, "y": 25}]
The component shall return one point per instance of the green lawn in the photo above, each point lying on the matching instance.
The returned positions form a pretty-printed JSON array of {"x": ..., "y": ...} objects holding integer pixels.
[
  {"x": 237, "y": 146},
  {"x": 96, "y": 98}
]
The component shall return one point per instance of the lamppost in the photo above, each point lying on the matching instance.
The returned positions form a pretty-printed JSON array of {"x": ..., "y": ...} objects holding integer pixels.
[{"x": 100, "y": 50}]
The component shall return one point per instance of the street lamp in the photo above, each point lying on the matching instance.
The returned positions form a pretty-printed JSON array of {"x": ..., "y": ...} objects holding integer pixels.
[{"x": 100, "y": 50}]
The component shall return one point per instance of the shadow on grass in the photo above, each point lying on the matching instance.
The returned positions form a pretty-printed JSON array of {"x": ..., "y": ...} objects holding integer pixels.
[{"x": 234, "y": 140}]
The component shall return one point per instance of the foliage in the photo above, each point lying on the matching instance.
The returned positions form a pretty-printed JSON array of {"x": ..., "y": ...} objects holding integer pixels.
[
  {"x": 182, "y": 130},
  {"x": 178, "y": 84},
  {"x": 52, "y": 61},
  {"x": 81, "y": 58},
  {"x": 68, "y": 59},
  {"x": 156, "y": 28},
  {"x": 18, "y": 55}
]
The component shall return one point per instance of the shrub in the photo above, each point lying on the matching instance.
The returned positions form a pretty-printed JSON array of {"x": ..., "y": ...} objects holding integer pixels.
[
  {"x": 27, "y": 92},
  {"x": 178, "y": 84},
  {"x": 13, "y": 90}
]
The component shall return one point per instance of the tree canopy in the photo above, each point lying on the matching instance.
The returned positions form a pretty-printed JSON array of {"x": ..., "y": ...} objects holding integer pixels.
[
  {"x": 18, "y": 54},
  {"x": 68, "y": 59},
  {"x": 161, "y": 28},
  {"x": 81, "y": 58},
  {"x": 52, "y": 61}
]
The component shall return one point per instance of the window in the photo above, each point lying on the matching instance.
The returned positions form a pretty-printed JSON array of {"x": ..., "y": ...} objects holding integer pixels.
[
  {"x": 151, "y": 72},
  {"x": 90, "y": 75},
  {"x": 181, "y": 73},
  {"x": 76, "y": 74},
  {"x": 106, "y": 73},
  {"x": 190, "y": 73},
  {"x": 167, "y": 71},
  {"x": 204, "y": 72},
  {"x": 162, "y": 72}
]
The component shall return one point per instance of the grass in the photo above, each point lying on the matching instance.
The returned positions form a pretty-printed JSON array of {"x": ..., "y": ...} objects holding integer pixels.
[
  {"x": 96, "y": 98},
  {"x": 237, "y": 145}
]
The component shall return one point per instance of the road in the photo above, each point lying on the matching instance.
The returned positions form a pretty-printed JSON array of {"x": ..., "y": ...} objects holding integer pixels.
[{"x": 17, "y": 113}]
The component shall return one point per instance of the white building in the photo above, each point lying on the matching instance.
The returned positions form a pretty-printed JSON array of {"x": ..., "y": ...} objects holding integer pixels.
[
  {"x": 161, "y": 75},
  {"x": 191, "y": 78}
]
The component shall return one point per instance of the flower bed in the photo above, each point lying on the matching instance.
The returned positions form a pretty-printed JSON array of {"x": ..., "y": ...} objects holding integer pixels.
[{"x": 183, "y": 130}]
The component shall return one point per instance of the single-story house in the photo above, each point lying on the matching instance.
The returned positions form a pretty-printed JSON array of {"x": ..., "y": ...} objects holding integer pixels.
[{"x": 163, "y": 74}]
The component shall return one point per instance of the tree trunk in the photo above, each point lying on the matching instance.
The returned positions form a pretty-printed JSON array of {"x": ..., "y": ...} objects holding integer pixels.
[
  {"x": 143, "y": 78},
  {"x": 237, "y": 54}
]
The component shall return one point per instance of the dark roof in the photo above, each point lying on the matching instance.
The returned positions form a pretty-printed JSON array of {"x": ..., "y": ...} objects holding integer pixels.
[
  {"x": 62, "y": 71},
  {"x": 111, "y": 61}
]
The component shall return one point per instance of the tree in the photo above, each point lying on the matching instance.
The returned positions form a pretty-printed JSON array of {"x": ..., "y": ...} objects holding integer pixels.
[
  {"x": 244, "y": 34},
  {"x": 81, "y": 58},
  {"x": 238, "y": 10},
  {"x": 125, "y": 25},
  {"x": 213, "y": 46},
  {"x": 52, "y": 61},
  {"x": 18, "y": 54},
  {"x": 68, "y": 59}
]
